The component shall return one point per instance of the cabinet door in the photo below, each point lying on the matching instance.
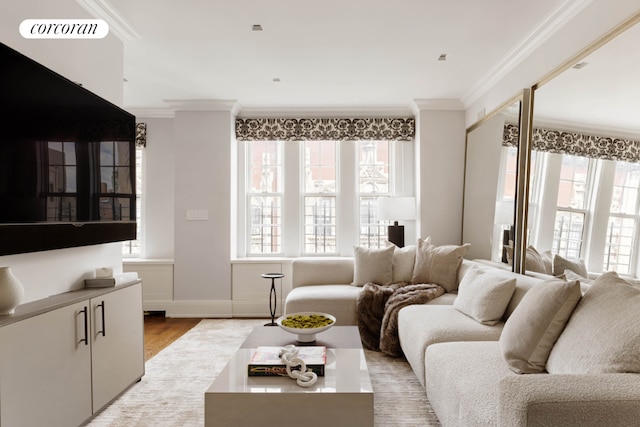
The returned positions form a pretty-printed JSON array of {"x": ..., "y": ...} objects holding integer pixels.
[
  {"x": 118, "y": 343},
  {"x": 45, "y": 369}
]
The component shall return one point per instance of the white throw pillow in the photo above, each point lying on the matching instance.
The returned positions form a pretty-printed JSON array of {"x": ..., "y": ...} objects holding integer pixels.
[
  {"x": 403, "y": 261},
  {"x": 438, "y": 264},
  {"x": 484, "y": 295},
  {"x": 602, "y": 335},
  {"x": 536, "y": 323},
  {"x": 372, "y": 265},
  {"x": 560, "y": 264}
]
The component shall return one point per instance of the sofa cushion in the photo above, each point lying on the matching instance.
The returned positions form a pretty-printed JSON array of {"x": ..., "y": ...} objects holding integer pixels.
[
  {"x": 420, "y": 326},
  {"x": 438, "y": 264},
  {"x": 560, "y": 264},
  {"x": 338, "y": 300},
  {"x": 372, "y": 265},
  {"x": 403, "y": 261},
  {"x": 463, "y": 382},
  {"x": 535, "y": 325},
  {"x": 602, "y": 335},
  {"x": 484, "y": 295}
]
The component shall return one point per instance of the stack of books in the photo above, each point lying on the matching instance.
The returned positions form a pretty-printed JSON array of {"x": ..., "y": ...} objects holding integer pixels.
[
  {"x": 106, "y": 282},
  {"x": 266, "y": 361}
]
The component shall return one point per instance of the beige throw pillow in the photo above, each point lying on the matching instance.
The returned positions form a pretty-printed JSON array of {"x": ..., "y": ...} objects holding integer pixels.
[
  {"x": 438, "y": 264},
  {"x": 602, "y": 335},
  {"x": 536, "y": 323},
  {"x": 484, "y": 295},
  {"x": 403, "y": 261},
  {"x": 561, "y": 264},
  {"x": 372, "y": 265}
]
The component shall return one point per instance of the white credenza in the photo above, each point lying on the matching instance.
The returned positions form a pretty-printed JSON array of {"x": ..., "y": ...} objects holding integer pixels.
[{"x": 63, "y": 358}]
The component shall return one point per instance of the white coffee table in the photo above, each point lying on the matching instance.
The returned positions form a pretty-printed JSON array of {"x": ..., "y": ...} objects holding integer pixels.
[{"x": 343, "y": 397}]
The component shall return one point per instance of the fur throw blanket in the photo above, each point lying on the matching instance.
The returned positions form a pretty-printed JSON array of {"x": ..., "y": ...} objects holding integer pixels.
[{"x": 378, "y": 308}]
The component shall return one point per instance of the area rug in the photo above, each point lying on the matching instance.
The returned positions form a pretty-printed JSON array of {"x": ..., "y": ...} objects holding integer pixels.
[{"x": 171, "y": 393}]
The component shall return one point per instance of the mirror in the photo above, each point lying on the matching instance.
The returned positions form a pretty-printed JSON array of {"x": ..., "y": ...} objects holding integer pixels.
[
  {"x": 584, "y": 199},
  {"x": 490, "y": 184}
]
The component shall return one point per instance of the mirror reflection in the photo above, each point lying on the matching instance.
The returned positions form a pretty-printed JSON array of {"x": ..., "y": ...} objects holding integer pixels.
[
  {"x": 584, "y": 206},
  {"x": 490, "y": 185}
]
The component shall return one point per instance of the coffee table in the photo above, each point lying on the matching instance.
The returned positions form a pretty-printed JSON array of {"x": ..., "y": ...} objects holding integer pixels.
[{"x": 343, "y": 397}]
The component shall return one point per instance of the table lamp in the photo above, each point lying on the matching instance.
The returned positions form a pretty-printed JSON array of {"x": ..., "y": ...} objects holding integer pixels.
[{"x": 396, "y": 209}]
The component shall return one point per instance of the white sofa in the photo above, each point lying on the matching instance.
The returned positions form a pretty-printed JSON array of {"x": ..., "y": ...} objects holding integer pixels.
[{"x": 460, "y": 362}]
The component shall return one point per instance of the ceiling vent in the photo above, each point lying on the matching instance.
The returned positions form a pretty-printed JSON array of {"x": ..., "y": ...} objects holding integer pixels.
[
  {"x": 256, "y": 27},
  {"x": 442, "y": 57}
]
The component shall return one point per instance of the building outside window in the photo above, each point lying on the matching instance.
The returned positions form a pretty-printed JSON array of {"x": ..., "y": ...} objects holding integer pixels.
[
  {"x": 133, "y": 248},
  {"x": 374, "y": 171}
]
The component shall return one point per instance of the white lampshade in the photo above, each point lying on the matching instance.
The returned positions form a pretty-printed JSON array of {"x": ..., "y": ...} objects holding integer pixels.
[{"x": 396, "y": 208}]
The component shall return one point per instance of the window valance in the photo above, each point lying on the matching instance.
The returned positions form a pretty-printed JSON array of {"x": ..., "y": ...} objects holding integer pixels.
[
  {"x": 338, "y": 129},
  {"x": 577, "y": 144}
]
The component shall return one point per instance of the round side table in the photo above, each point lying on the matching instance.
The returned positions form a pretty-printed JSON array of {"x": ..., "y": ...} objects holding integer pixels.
[{"x": 272, "y": 296}]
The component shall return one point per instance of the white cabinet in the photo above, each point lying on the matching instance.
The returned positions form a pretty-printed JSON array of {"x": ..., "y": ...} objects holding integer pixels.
[
  {"x": 45, "y": 371},
  {"x": 157, "y": 282},
  {"x": 63, "y": 358},
  {"x": 117, "y": 347},
  {"x": 250, "y": 292}
]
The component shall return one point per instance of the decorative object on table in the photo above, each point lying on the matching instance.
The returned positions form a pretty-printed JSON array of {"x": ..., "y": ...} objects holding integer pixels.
[
  {"x": 11, "y": 291},
  {"x": 107, "y": 282},
  {"x": 396, "y": 209},
  {"x": 272, "y": 296},
  {"x": 268, "y": 361},
  {"x": 306, "y": 324}
]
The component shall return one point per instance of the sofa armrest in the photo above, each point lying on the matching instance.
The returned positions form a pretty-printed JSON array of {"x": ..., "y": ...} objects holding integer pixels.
[{"x": 569, "y": 400}]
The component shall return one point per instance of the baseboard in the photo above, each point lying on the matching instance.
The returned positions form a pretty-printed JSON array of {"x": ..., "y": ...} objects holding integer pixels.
[
  {"x": 191, "y": 308},
  {"x": 252, "y": 308}
]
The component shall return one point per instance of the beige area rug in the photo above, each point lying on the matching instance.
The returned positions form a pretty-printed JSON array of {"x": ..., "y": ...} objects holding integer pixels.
[{"x": 171, "y": 393}]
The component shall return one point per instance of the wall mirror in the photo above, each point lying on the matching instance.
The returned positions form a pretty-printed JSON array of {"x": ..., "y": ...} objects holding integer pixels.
[
  {"x": 584, "y": 183},
  {"x": 490, "y": 183}
]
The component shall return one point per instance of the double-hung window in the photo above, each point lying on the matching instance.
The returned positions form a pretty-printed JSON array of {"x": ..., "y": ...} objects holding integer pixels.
[
  {"x": 374, "y": 172},
  {"x": 572, "y": 206},
  {"x": 623, "y": 219}
]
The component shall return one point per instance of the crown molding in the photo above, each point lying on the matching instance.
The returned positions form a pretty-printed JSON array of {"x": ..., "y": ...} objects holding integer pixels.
[
  {"x": 152, "y": 113},
  {"x": 202, "y": 104},
  {"x": 451, "y": 104},
  {"x": 553, "y": 22},
  {"x": 324, "y": 112},
  {"x": 119, "y": 26}
]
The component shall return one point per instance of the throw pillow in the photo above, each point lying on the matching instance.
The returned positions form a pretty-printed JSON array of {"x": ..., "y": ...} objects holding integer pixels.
[
  {"x": 484, "y": 295},
  {"x": 372, "y": 265},
  {"x": 403, "y": 261},
  {"x": 602, "y": 335},
  {"x": 561, "y": 264},
  {"x": 534, "y": 261},
  {"x": 438, "y": 265},
  {"x": 536, "y": 323}
]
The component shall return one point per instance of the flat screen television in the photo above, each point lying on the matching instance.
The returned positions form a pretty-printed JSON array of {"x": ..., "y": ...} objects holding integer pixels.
[{"x": 67, "y": 162}]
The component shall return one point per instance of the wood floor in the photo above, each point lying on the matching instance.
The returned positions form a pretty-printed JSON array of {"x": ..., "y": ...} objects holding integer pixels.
[{"x": 160, "y": 331}]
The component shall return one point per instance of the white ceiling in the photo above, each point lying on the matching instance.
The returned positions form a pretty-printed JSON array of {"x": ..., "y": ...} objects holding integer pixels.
[
  {"x": 362, "y": 55},
  {"x": 329, "y": 54}
]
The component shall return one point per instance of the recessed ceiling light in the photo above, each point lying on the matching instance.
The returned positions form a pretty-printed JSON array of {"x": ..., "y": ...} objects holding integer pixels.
[
  {"x": 276, "y": 79},
  {"x": 256, "y": 27},
  {"x": 442, "y": 57},
  {"x": 580, "y": 65}
]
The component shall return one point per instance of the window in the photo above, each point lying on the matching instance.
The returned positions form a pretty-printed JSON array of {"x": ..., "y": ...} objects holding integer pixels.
[
  {"x": 623, "y": 218},
  {"x": 373, "y": 182},
  {"x": 572, "y": 206},
  {"x": 319, "y": 196},
  {"x": 133, "y": 247},
  {"x": 328, "y": 208},
  {"x": 265, "y": 195},
  {"x": 62, "y": 194}
]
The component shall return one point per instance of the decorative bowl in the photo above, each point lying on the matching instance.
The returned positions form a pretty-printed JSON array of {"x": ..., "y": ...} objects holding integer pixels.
[{"x": 305, "y": 335}]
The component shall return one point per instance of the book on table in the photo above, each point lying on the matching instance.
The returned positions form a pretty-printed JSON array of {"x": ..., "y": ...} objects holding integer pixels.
[{"x": 266, "y": 361}]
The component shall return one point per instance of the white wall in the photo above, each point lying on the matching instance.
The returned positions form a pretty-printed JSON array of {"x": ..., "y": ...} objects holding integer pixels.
[
  {"x": 202, "y": 269},
  {"x": 159, "y": 188},
  {"x": 440, "y": 145},
  {"x": 98, "y": 65}
]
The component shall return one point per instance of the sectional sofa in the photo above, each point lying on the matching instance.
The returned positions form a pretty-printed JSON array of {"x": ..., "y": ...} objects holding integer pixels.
[{"x": 500, "y": 348}]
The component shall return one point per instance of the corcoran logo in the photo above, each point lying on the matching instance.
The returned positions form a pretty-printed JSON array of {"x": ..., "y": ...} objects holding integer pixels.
[{"x": 64, "y": 29}]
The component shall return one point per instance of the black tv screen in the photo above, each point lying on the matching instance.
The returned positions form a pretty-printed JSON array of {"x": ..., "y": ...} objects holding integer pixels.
[{"x": 67, "y": 162}]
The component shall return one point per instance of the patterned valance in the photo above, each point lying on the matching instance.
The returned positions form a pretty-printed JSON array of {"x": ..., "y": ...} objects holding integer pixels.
[
  {"x": 390, "y": 129},
  {"x": 141, "y": 134},
  {"x": 577, "y": 144}
]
